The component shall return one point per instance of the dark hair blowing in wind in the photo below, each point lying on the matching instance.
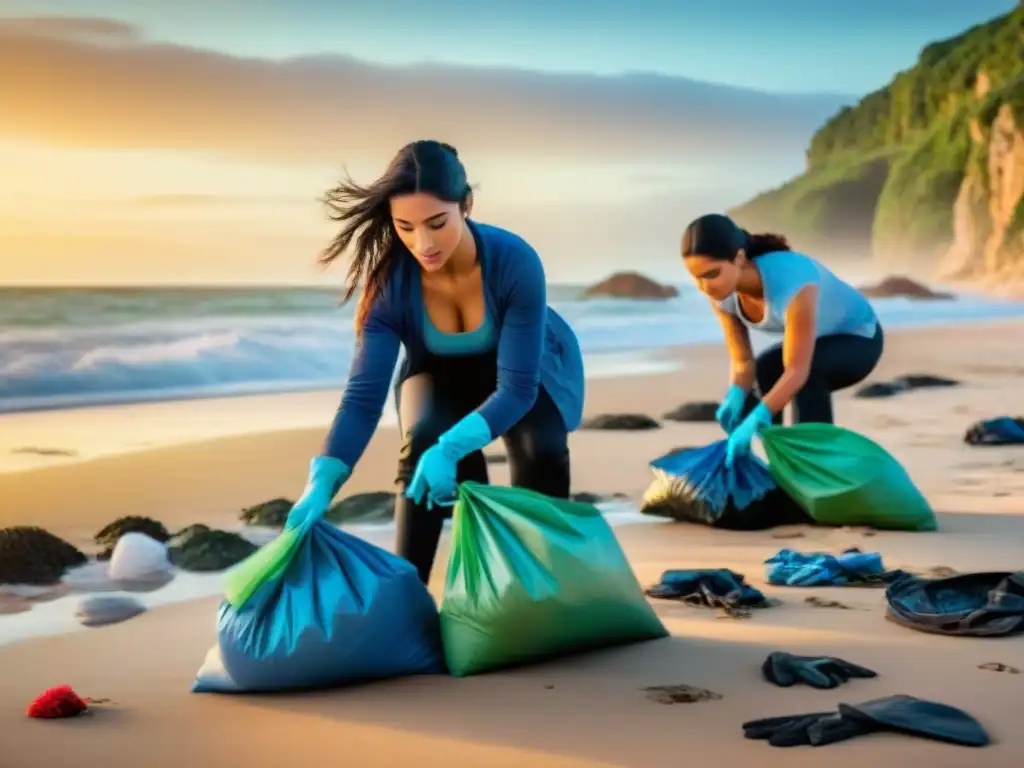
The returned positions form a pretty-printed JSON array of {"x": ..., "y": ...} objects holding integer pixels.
[
  {"x": 364, "y": 213},
  {"x": 719, "y": 237}
]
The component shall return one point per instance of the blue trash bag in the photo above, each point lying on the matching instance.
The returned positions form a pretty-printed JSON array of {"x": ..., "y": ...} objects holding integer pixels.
[
  {"x": 341, "y": 611},
  {"x": 695, "y": 485},
  {"x": 999, "y": 431},
  {"x": 821, "y": 569}
]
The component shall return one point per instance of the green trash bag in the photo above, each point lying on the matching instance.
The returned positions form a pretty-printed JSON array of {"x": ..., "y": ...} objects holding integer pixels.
[
  {"x": 263, "y": 565},
  {"x": 842, "y": 478},
  {"x": 531, "y": 577}
]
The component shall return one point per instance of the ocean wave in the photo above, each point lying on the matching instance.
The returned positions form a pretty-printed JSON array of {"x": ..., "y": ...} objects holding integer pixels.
[{"x": 207, "y": 354}]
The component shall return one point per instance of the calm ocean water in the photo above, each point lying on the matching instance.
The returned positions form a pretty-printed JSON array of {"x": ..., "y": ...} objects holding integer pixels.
[{"x": 71, "y": 347}]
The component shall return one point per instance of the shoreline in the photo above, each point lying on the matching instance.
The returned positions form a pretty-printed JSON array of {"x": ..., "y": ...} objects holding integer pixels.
[{"x": 35, "y": 439}]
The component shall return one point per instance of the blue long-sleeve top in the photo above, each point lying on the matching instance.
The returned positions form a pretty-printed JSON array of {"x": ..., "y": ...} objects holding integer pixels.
[{"x": 536, "y": 347}]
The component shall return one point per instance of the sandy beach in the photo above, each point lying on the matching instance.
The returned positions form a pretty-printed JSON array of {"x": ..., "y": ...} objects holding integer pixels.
[{"x": 588, "y": 710}]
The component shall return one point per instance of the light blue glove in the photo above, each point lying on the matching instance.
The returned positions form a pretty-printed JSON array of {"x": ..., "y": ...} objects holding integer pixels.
[
  {"x": 326, "y": 476},
  {"x": 741, "y": 437},
  {"x": 434, "y": 478},
  {"x": 729, "y": 412}
]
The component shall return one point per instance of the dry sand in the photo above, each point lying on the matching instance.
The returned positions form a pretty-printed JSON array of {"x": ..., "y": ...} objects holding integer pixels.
[{"x": 588, "y": 710}]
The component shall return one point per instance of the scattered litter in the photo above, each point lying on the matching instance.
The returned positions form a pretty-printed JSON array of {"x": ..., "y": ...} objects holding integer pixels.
[
  {"x": 819, "y": 569},
  {"x": 680, "y": 694},
  {"x": 712, "y": 588},
  {"x": 53, "y": 703},
  {"x": 820, "y": 602}
]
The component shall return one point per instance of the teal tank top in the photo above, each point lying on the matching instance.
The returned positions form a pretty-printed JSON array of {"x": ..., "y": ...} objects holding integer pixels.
[{"x": 475, "y": 342}]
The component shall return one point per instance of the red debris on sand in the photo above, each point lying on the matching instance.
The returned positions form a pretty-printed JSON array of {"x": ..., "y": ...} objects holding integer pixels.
[{"x": 57, "y": 702}]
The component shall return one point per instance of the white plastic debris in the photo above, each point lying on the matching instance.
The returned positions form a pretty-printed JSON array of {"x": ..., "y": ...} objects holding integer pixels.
[{"x": 137, "y": 557}]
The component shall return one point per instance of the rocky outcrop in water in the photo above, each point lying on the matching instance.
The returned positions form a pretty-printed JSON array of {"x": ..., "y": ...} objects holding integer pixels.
[
  {"x": 902, "y": 287},
  {"x": 30, "y": 555},
  {"x": 630, "y": 285}
]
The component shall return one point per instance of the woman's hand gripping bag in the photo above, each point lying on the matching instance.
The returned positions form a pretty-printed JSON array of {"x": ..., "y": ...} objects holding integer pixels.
[
  {"x": 843, "y": 478},
  {"x": 694, "y": 485},
  {"x": 531, "y": 577},
  {"x": 317, "y": 608}
]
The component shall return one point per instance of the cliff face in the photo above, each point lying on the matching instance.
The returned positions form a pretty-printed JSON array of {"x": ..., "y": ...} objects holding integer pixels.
[
  {"x": 926, "y": 174},
  {"x": 988, "y": 215}
]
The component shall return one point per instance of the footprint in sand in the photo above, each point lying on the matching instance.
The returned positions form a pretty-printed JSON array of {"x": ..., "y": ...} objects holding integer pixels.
[
  {"x": 680, "y": 694},
  {"x": 788, "y": 534},
  {"x": 940, "y": 572},
  {"x": 821, "y": 602}
]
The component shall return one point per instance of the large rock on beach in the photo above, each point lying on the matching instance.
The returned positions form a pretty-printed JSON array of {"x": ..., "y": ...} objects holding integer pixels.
[
  {"x": 271, "y": 514},
  {"x": 201, "y": 548},
  {"x": 30, "y": 555}
]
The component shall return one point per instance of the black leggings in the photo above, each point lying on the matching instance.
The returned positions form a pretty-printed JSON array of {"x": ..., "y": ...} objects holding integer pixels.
[
  {"x": 431, "y": 400},
  {"x": 839, "y": 361}
]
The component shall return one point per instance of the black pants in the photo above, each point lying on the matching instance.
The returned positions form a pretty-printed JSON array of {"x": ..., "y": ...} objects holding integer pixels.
[
  {"x": 839, "y": 362},
  {"x": 431, "y": 399}
]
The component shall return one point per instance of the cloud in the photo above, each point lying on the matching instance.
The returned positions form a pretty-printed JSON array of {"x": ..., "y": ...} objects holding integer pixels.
[
  {"x": 199, "y": 200},
  {"x": 98, "y": 83},
  {"x": 72, "y": 28}
]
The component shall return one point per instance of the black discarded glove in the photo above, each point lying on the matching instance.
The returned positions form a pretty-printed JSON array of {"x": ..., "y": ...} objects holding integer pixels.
[
  {"x": 785, "y": 669},
  {"x": 815, "y": 728},
  {"x": 894, "y": 714}
]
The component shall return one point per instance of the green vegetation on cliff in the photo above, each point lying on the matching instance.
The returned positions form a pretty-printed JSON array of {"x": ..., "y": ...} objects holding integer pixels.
[{"x": 884, "y": 174}]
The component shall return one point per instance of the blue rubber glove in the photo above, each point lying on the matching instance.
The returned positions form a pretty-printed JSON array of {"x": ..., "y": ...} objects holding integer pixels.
[
  {"x": 326, "y": 476},
  {"x": 741, "y": 437},
  {"x": 434, "y": 478},
  {"x": 729, "y": 412}
]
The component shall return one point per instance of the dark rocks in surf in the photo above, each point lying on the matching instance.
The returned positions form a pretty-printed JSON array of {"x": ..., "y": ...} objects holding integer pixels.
[
  {"x": 372, "y": 507},
  {"x": 201, "y": 548},
  {"x": 271, "y": 514},
  {"x": 31, "y": 555}
]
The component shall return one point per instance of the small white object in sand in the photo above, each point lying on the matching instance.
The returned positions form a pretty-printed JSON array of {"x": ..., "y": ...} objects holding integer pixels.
[
  {"x": 100, "y": 610},
  {"x": 137, "y": 557}
]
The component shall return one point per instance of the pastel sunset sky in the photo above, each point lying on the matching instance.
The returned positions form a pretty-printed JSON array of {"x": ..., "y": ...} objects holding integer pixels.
[{"x": 188, "y": 141}]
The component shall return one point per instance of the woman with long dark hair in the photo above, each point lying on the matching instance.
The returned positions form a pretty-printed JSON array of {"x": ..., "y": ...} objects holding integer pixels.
[
  {"x": 485, "y": 357},
  {"x": 830, "y": 336}
]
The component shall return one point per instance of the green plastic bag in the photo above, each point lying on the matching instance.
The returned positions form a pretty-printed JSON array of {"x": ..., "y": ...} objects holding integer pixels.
[
  {"x": 531, "y": 577},
  {"x": 266, "y": 563},
  {"x": 842, "y": 478}
]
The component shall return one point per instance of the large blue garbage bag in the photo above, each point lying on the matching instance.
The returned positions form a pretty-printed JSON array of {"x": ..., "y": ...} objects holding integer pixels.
[
  {"x": 340, "y": 611},
  {"x": 695, "y": 485}
]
